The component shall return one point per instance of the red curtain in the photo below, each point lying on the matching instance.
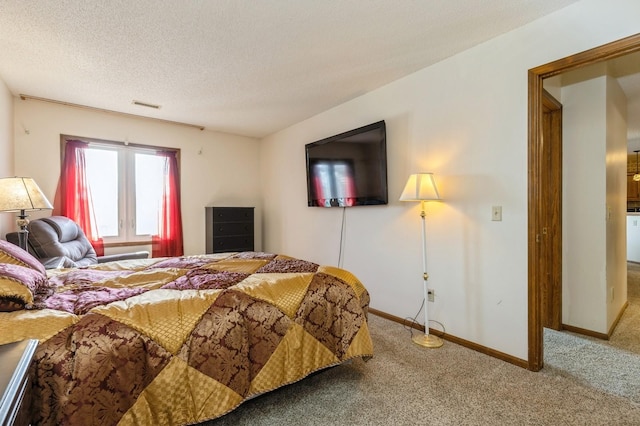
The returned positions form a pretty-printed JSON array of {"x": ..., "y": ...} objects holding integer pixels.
[
  {"x": 73, "y": 196},
  {"x": 168, "y": 242}
]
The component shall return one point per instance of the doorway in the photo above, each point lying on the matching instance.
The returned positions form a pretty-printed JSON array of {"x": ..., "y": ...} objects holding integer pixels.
[{"x": 540, "y": 206}]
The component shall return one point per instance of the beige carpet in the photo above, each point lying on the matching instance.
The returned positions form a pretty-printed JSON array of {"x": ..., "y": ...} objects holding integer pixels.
[
  {"x": 405, "y": 384},
  {"x": 612, "y": 366},
  {"x": 626, "y": 336}
]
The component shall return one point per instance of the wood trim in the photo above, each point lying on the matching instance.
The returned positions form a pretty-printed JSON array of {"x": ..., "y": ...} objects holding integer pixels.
[
  {"x": 534, "y": 287},
  {"x": 453, "y": 339},
  {"x": 618, "y": 318},
  {"x": 602, "y": 53},
  {"x": 585, "y": 332},
  {"x": 549, "y": 102},
  {"x": 591, "y": 333},
  {"x": 399, "y": 320},
  {"x": 93, "y": 142},
  {"x": 551, "y": 211},
  {"x": 536, "y": 76}
]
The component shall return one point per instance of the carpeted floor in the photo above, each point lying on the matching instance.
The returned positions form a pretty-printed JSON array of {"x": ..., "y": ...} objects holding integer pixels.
[
  {"x": 405, "y": 384},
  {"x": 612, "y": 366},
  {"x": 626, "y": 336}
]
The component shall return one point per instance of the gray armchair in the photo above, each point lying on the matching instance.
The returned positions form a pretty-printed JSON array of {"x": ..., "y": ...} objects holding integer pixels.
[{"x": 58, "y": 242}]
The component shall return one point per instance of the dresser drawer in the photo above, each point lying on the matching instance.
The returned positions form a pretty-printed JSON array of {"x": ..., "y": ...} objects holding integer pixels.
[
  {"x": 233, "y": 228},
  {"x": 237, "y": 243},
  {"x": 233, "y": 214}
]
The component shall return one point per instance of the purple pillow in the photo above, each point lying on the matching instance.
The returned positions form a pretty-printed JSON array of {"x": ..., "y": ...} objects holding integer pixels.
[
  {"x": 11, "y": 253},
  {"x": 20, "y": 286}
]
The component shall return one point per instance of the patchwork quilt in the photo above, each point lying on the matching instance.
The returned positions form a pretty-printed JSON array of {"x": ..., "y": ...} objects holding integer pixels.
[{"x": 177, "y": 341}]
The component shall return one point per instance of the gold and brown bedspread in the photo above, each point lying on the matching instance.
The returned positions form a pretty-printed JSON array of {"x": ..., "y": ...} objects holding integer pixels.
[{"x": 182, "y": 340}]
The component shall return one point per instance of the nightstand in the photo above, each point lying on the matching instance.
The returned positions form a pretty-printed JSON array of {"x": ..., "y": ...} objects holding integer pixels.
[{"x": 15, "y": 360}]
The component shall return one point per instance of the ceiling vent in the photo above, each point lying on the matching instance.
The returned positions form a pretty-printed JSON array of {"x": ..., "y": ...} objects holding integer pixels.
[{"x": 146, "y": 104}]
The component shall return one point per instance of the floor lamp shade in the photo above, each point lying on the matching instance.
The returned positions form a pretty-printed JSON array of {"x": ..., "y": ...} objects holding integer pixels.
[
  {"x": 422, "y": 187},
  {"x": 21, "y": 194}
]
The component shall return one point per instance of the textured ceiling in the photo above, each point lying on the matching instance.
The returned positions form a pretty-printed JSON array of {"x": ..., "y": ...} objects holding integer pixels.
[{"x": 248, "y": 67}]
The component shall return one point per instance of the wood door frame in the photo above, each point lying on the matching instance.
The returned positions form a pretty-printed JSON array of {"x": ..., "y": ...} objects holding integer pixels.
[
  {"x": 536, "y": 194},
  {"x": 551, "y": 239}
]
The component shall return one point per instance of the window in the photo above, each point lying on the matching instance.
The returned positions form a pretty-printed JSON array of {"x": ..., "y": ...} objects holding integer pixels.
[
  {"x": 132, "y": 192},
  {"x": 126, "y": 187}
]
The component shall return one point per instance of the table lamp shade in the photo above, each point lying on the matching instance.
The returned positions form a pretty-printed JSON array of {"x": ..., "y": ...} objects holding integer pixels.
[
  {"x": 420, "y": 187},
  {"x": 21, "y": 193}
]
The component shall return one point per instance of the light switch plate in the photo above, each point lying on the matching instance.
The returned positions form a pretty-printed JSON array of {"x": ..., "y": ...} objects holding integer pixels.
[{"x": 496, "y": 213}]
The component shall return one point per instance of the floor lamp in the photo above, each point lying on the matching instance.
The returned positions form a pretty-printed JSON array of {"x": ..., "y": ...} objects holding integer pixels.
[
  {"x": 21, "y": 194},
  {"x": 422, "y": 187}
]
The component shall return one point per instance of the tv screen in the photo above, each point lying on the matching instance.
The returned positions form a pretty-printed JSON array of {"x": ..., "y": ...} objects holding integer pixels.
[{"x": 349, "y": 169}]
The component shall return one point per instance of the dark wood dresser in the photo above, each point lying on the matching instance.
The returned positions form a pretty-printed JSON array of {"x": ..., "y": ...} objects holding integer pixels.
[
  {"x": 229, "y": 229},
  {"x": 15, "y": 360}
]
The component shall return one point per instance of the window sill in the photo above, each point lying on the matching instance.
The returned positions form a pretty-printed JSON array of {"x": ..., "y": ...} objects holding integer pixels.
[{"x": 128, "y": 244}]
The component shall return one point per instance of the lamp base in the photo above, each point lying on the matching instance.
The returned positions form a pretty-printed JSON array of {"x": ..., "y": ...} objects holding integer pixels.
[{"x": 427, "y": 340}]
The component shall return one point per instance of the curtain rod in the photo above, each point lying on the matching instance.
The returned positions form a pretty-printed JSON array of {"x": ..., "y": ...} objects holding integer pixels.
[{"x": 126, "y": 114}]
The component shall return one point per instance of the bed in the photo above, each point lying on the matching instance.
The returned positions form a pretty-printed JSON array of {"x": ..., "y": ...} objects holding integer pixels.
[{"x": 176, "y": 341}]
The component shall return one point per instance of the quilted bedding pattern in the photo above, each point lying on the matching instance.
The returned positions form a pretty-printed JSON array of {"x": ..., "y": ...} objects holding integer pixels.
[{"x": 183, "y": 340}]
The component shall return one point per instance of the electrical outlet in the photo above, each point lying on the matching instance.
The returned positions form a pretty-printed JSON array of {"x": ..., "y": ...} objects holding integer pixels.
[{"x": 430, "y": 295}]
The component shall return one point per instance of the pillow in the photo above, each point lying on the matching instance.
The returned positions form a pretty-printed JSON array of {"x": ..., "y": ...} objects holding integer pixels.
[
  {"x": 19, "y": 285},
  {"x": 11, "y": 253}
]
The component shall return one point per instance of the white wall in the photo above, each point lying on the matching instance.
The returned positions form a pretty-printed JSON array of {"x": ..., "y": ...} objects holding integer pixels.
[
  {"x": 594, "y": 190},
  {"x": 633, "y": 238},
  {"x": 465, "y": 119},
  {"x": 616, "y": 163},
  {"x": 216, "y": 168},
  {"x": 584, "y": 203},
  {"x": 7, "y": 220}
]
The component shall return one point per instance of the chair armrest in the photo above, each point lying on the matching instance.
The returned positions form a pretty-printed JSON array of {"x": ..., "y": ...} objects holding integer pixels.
[
  {"x": 57, "y": 262},
  {"x": 13, "y": 238},
  {"x": 123, "y": 256}
]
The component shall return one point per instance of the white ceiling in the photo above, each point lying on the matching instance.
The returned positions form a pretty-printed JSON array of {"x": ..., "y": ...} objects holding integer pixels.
[{"x": 249, "y": 67}]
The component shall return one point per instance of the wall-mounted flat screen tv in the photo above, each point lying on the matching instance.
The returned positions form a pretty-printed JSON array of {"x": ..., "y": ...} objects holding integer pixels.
[{"x": 349, "y": 169}]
